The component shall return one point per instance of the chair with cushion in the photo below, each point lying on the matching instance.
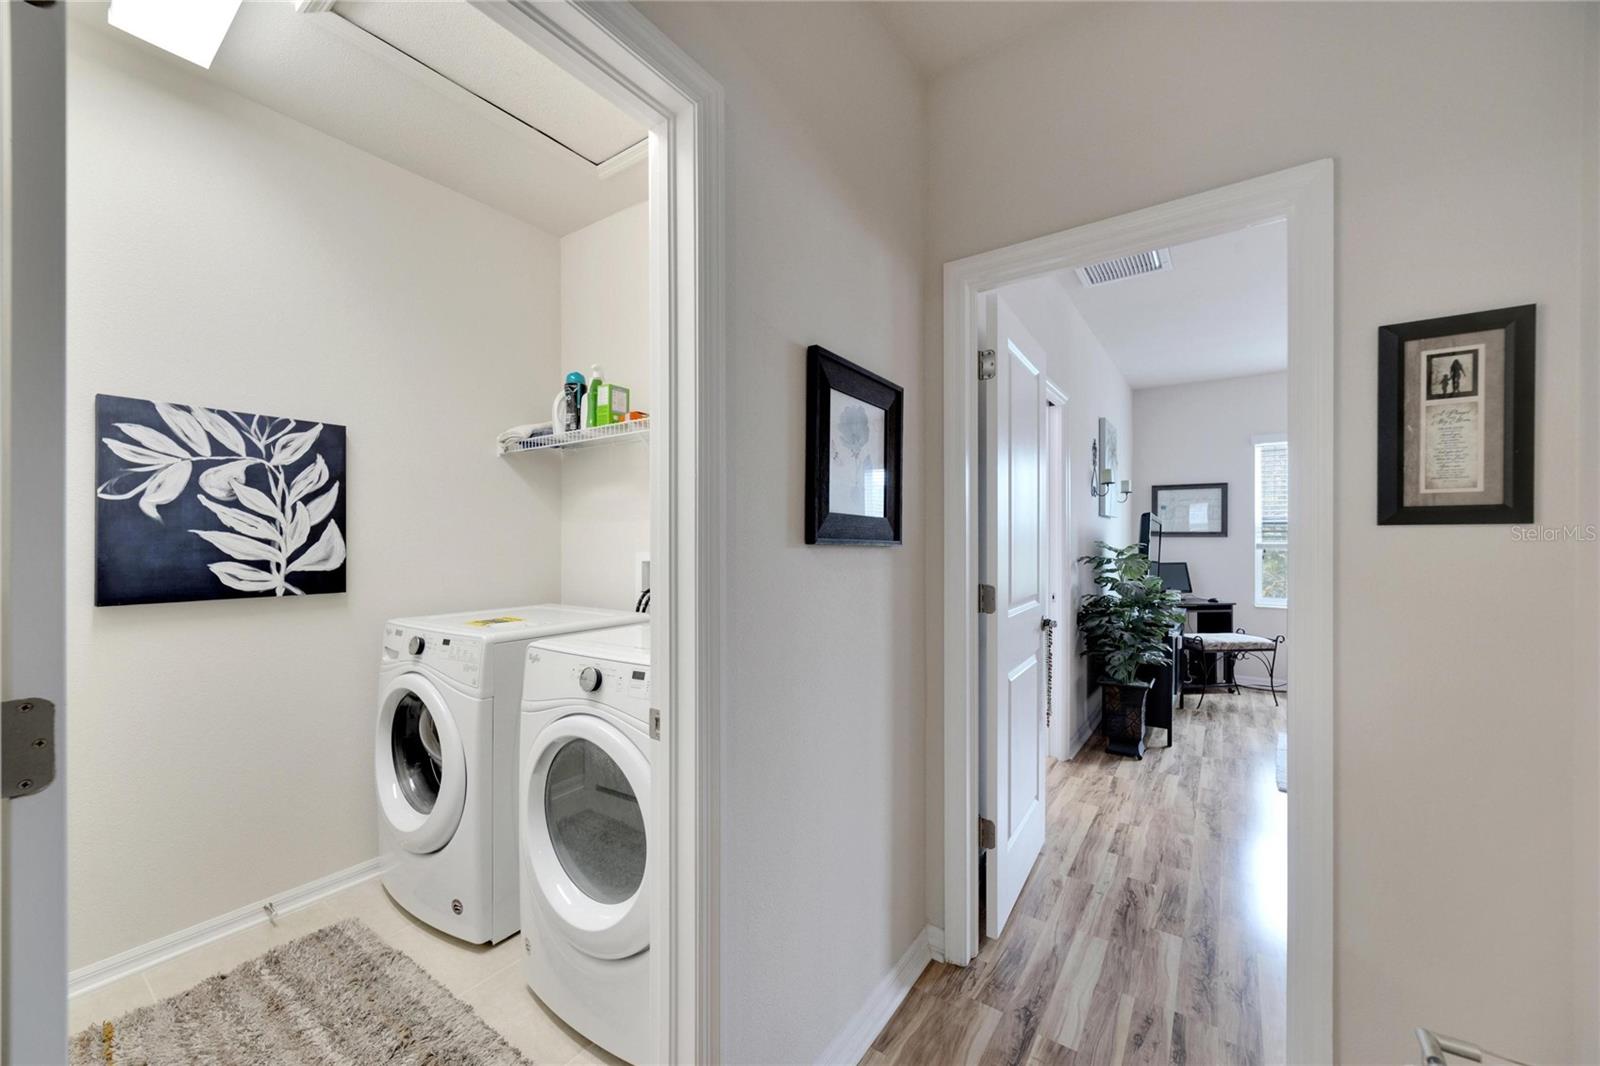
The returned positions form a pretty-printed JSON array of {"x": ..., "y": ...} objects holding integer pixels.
[{"x": 1233, "y": 646}]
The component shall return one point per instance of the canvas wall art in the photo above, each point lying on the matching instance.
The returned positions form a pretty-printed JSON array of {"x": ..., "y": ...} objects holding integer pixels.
[
  {"x": 195, "y": 503},
  {"x": 1109, "y": 463}
]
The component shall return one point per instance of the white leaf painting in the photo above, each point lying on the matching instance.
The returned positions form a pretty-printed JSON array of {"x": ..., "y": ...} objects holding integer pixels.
[
  {"x": 257, "y": 499},
  {"x": 244, "y": 578},
  {"x": 186, "y": 426},
  {"x": 220, "y": 428},
  {"x": 326, "y": 554},
  {"x": 220, "y": 481},
  {"x": 164, "y": 487}
]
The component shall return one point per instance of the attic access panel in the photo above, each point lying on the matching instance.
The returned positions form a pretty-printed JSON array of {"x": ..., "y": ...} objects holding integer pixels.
[{"x": 465, "y": 47}]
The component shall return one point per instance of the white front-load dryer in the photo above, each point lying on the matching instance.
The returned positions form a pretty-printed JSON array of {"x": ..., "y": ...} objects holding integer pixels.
[
  {"x": 584, "y": 810},
  {"x": 449, "y": 690}
]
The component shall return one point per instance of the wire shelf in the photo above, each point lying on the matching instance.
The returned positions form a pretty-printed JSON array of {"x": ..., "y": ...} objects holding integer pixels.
[{"x": 579, "y": 438}]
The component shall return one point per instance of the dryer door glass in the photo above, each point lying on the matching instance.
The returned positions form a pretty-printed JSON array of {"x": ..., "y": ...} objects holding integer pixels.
[
  {"x": 595, "y": 822},
  {"x": 417, "y": 752}
]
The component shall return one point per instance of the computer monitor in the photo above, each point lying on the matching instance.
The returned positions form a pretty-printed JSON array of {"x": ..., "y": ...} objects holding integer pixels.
[
  {"x": 1175, "y": 576},
  {"x": 1150, "y": 538}
]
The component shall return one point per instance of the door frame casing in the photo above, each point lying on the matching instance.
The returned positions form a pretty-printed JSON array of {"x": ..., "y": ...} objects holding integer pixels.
[
  {"x": 1302, "y": 197},
  {"x": 1059, "y": 524},
  {"x": 623, "y": 55},
  {"x": 33, "y": 829}
]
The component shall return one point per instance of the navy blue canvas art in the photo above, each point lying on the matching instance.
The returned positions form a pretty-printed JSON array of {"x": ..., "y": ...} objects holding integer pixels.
[{"x": 194, "y": 503}]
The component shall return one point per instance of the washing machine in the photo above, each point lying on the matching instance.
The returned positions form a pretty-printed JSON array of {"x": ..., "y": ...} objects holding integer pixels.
[
  {"x": 588, "y": 751},
  {"x": 449, "y": 695}
]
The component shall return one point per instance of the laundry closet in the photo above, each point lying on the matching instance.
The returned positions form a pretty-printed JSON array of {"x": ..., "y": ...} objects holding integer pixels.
[{"x": 332, "y": 300}]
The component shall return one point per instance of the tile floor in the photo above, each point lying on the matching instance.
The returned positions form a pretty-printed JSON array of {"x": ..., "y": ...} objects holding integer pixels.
[{"x": 488, "y": 979}]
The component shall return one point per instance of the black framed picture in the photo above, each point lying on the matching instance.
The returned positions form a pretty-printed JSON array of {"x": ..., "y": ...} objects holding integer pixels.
[
  {"x": 1455, "y": 419},
  {"x": 854, "y": 420},
  {"x": 1191, "y": 510}
]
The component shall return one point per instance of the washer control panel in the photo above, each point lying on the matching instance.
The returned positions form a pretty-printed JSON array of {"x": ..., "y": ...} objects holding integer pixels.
[{"x": 460, "y": 658}]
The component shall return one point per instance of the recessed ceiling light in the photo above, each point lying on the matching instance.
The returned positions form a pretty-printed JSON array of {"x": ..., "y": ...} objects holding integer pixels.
[{"x": 189, "y": 29}]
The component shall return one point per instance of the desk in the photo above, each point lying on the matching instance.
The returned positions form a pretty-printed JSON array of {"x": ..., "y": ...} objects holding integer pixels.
[{"x": 1208, "y": 616}]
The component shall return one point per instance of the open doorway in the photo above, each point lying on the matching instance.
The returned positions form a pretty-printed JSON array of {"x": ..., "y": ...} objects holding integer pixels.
[
  {"x": 1105, "y": 452},
  {"x": 357, "y": 245}
]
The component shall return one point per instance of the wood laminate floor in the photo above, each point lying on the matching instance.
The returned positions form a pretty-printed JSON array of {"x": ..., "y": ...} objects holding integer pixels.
[{"x": 1152, "y": 928}]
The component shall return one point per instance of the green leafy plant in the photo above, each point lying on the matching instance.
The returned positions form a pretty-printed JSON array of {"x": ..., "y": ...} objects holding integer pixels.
[{"x": 1126, "y": 624}]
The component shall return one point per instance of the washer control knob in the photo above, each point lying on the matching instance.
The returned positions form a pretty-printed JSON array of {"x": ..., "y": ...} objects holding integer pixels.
[
  {"x": 589, "y": 679},
  {"x": 416, "y": 645}
]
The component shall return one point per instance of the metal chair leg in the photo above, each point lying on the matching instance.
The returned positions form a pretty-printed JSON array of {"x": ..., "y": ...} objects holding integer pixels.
[{"x": 1272, "y": 671}]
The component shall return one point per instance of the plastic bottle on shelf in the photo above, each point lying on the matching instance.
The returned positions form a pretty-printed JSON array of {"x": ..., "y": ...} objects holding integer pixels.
[
  {"x": 569, "y": 405},
  {"x": 591, "y": 404}
]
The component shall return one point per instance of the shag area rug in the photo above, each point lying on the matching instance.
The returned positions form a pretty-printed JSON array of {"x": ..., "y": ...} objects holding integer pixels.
[{"x": 338, "y": 996}]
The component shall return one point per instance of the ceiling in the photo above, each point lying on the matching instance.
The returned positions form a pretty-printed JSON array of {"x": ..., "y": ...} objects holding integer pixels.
[
  {"x": 1220, "y": 311},
  {"x": 940, "y": 34},
  {"x": 412, "y": 83}
]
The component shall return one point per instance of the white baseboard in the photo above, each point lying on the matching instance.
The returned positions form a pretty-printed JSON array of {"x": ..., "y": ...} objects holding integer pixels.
[
  {"x": 1260, "y": 681},
  {"x": 935, "y": 937},
  {"x": 88, "y": 978},
  {"x": 1085, "y": 730},
  {"x": 857, "y": 1036}
]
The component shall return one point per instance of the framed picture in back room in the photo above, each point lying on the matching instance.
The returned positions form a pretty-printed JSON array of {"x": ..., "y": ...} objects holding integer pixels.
[
  {"x": 1455, "y": 419},
  {"x": 854, "y": 422},
  {"x": 1191, "y": 510},
  {"x": 196, "y": 503}
]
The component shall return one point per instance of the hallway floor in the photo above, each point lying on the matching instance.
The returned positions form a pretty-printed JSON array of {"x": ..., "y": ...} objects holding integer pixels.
[
  {"x": 1152, "y": 928},
  {"x": 488, "y": 979}
]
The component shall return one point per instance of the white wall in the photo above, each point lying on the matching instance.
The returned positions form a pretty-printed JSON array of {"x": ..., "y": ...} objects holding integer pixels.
[
  {"x": 1466, "y": 143},
  {"x": 605, "y": 491},
  {"x": 1203, "y": 432},
  {"x": 1079, "y": 366},
  {"x": 822, "y": 789},
  {"x": 222, "y": 254}
]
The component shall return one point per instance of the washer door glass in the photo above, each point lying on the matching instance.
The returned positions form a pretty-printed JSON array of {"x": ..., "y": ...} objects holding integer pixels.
[
  {"x": 418, "y": 754},
  {"x": 595, "y": 823}
]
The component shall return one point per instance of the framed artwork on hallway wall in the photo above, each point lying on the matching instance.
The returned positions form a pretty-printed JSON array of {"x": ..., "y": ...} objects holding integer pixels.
[
  {"x": 854, "y": 424},
  {"x": 1455, "y": 419},
  {"x": 197, "y": 503}
]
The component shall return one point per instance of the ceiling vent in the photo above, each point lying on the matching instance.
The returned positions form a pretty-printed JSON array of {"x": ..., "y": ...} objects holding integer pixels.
[{"x": 1124, "y": 267}]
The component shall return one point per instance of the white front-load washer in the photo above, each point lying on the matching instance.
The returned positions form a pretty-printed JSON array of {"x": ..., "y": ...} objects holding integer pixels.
[
  {"x": 584, "y": 812},
  {"x": 449, "y": 691}
]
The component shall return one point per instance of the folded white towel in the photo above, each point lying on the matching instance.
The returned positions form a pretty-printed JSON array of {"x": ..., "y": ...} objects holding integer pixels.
[{"x": 533, "y": 429}]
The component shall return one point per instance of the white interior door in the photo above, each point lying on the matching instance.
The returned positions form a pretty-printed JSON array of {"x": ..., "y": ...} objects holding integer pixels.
[
  {"x": 33, "y": 864},
  {"x": 1012, "y": 558}
]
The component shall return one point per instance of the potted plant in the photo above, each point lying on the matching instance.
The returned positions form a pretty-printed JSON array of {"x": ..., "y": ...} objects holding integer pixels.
[{"x": 1127, "y": 628}]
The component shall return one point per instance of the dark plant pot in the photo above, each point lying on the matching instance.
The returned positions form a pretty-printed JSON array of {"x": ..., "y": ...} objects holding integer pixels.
[{"x": 1122, "y": 716}]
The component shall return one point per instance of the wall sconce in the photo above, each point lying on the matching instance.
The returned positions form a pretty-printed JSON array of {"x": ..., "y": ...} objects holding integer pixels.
[{"x": 1100, "y": 480}]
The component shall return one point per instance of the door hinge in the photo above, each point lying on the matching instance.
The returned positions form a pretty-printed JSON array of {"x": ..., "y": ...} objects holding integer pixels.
[
  {"x": 986, "y": 834},
  {"x": 27, "y": 746},
  {"x": 655, "y": 723},
  {"x": 986, "y": 364},
  {"x": 986, "y": 599}
]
